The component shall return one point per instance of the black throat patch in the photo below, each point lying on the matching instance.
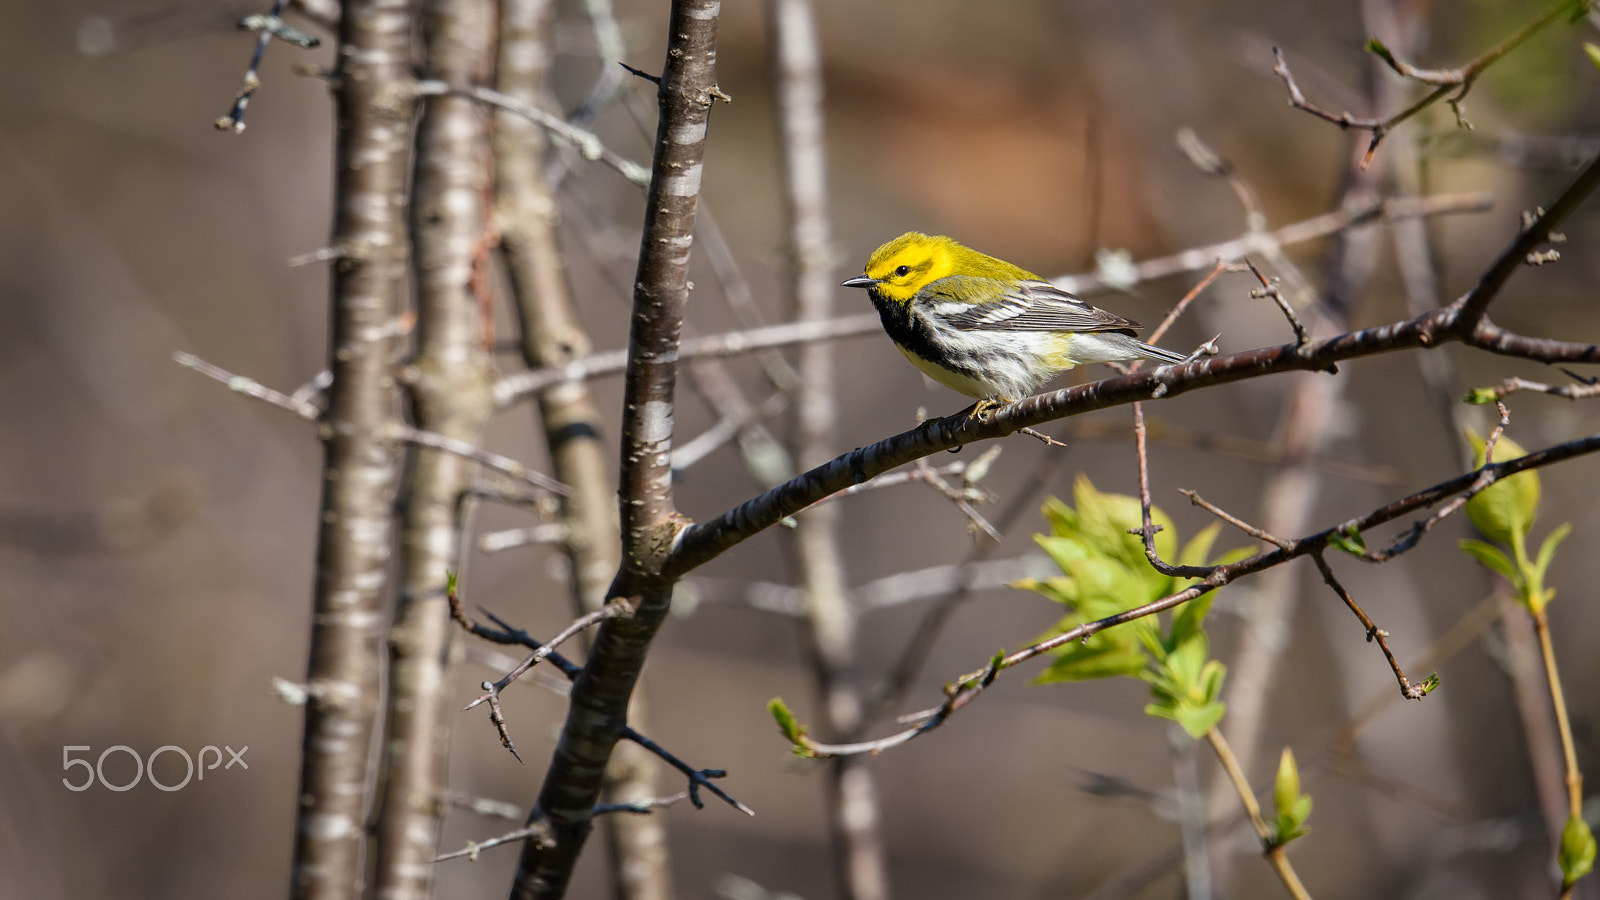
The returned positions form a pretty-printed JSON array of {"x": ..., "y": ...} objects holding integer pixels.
[{"x": 914, "y": 333}]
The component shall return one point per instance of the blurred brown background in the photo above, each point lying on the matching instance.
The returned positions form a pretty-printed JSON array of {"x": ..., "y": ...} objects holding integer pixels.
[{"x": 158, "y": 531}]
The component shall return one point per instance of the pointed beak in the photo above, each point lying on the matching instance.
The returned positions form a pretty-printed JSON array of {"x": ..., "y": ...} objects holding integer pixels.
[{"x": 860, "y": 281}]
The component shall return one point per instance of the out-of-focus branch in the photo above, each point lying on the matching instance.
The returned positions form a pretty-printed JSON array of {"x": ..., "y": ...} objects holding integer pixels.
[
  {"x": 889, "y": 591},
  {"x": 588, "y": 144},
  {"x": 397, "y": 432},
  {"x": 266, "y": 26},
  {"x": 553, "y": 336},
  {"x": 830, "y": 624},
  {"x": 361, "y": 465},
  {"x": 737, "y": 343},
  {"x": 1201, "y": 258},
  {"x": 449, "y": 380},
  {"x": 599, "y": 703}
]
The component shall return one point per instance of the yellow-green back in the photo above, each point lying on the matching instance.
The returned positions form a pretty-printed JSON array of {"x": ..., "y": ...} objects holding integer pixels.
[{"x": 914, "y": 260}]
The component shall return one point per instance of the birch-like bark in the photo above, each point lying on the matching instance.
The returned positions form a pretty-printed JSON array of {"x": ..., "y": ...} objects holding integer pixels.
[
  {"x": 552, "y": 335},
  {"x": 599, "y": 702},
  {"x": 451, "y": 395},
  {"x": 361, "y": 462},
  {"x": 831, "y": 620}
]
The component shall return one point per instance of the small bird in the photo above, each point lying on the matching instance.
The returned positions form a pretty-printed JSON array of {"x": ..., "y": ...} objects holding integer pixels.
[{"x": 984, "y": 327}]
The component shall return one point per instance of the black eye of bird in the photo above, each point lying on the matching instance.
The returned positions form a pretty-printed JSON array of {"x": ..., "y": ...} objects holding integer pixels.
[{"x": 902, "y": 272}]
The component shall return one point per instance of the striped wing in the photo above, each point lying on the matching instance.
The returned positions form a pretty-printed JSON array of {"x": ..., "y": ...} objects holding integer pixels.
[{"x": 1019, "y": 306}]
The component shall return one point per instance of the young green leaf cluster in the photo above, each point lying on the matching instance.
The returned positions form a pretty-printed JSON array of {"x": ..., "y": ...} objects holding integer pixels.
[
  {"x": 1104, "y": 572},
  {"x": 1293, "y": 807},
  {"x": 1504, "y": 513}
]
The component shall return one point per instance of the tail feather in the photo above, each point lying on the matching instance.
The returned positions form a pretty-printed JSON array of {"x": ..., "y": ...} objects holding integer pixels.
[
  {"x": 1158, "y": 353},
  {"x": 1114, "y": 346}
]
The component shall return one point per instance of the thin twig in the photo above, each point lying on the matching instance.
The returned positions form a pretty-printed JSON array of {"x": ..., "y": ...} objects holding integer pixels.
[
  {"x": 589, "y": 145},
  {"x": 1148, "y": 530},
  {"x": 503, "y": 464},
  {"x": 309, "y": 411},
  {"x": 266, "y": 27},
  {"x": 1231, "y": 519},
  {"x": 1374, "y": 633},
  {"x": 504, "y": 633},
  {"x": 548, "y": 533},
  {"x": 1587, "y": 389},
  {"x": 539, "y": 830},
  {"x": 1271, "y": 291},
  {"x": 249, "y": 387}
]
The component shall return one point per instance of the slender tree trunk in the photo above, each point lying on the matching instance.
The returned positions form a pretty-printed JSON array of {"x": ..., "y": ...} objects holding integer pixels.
[
  {"x": 361, "y": 464},
  {"x": 831, "y": 621},
  {"x": 552, "y": 335},
  {"x": 450, "y": 387},
  {"x": 650, "y": 523}
]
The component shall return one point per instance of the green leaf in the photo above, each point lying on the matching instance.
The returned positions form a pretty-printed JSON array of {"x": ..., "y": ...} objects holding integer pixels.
[
  {"x": 1063, "y": 550},
  {"x": 1063, "y": 519},
  {"x": 1211, "y": 680},
  {"x": 1198, "y": 549},
  {"x": 1593, "y": 52},
  {"x": 1061, "y": 589},
  {"x": 1293, "y": 808},
  {"x": 1491, "y": 557},
  {"x": 1286, "y": 786},
  {"x": 1376, "y": 47},
  {"x": 1185, "y": 662},
  {"x": 1090, "y": 663},
  {"x": 1427, "y": 685},
  {"x": 1577, "y": 850},
  {"x": 1301, "y": 810},
  {"x": 1510, "y": 504},
  {"x": 1481, "y": 396},
  {"x": 1349, "y": 540},
  {"x": 1188, "y": 621},
  {"x": 1104, "y": 521},
  {"x": 1547, "y": 550},
  {"x": 792, "y": 730},
  {"x": 1197, "y": 720}
]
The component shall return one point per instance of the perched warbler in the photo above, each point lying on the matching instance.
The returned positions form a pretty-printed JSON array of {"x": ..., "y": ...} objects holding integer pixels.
[{"x": 984, "y": 327}]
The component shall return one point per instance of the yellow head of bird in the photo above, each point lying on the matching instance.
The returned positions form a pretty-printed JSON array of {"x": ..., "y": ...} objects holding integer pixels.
[{"x": 899, "y": 269}]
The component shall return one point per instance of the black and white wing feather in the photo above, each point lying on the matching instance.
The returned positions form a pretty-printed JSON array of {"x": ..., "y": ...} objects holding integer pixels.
[{"x": 1019, "y": 306}]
